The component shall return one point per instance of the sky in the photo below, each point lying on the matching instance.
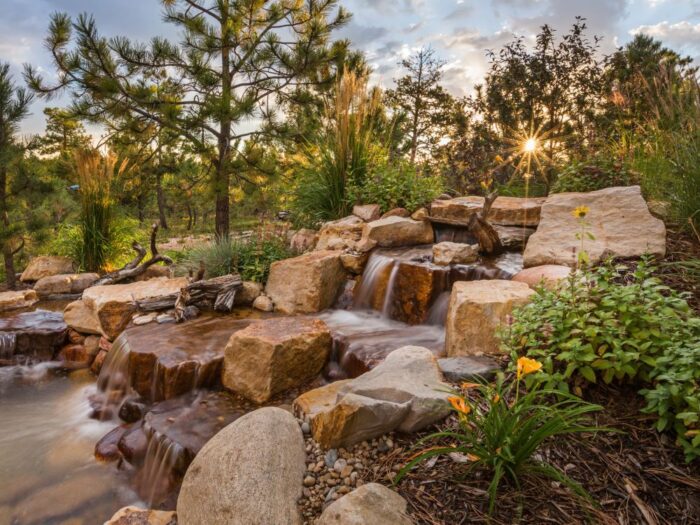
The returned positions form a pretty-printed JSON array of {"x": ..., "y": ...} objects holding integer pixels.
[{"x": 460, "y": 31}]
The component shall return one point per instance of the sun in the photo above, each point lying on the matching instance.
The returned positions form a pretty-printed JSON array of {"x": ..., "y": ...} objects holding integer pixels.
[{"x": 530, "y": 145}]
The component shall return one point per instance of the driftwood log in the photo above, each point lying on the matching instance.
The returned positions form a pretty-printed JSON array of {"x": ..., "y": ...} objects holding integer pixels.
[
  {"x": 136, "y": 267},
  {"x": 220, "y": 292},
  {"x": 485, "y": 234}
]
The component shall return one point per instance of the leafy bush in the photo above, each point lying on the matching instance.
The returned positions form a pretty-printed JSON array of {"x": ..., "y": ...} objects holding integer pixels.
[
  {"x": 501, "y": 427},
  {"x": 396, "y": 185},
  {"x": 603, "y": 326},
  {"x": 594, "y": 174},
  {"x": 251, "y": 257}
]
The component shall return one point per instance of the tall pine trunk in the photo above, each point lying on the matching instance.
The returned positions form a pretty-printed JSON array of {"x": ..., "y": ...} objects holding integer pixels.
[
  {"x": 7, "y": 254},
  {"x": 160, "y": 195}
]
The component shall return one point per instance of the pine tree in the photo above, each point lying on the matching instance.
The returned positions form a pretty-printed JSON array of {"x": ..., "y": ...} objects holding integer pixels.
[
  {"x": 14, "y": 106},
  {"x": 236, "y": 60},
  {"x": 423, "y": 100}
]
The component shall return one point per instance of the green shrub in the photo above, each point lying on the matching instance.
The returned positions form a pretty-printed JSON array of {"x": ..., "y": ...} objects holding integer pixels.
[
  {"x": 602, "y": 326},
  {"x": 502, "y": 427},
  {"x": 594, "y": 174},
  {"x": 396, "y": 184},
  {"x": 251, "y": 257}
]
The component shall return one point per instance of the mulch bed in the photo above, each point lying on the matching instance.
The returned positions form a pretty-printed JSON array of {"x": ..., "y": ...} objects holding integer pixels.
[{"x": 637, "y": 476}]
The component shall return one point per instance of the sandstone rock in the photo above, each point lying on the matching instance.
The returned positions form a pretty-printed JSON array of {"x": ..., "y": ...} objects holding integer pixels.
[
  {"x": 14, "y": 300},
  {"x": 354, "y": 262},
  {"x": 396, "y": 212},
  {"x": 304, "y": 240},
  {"x": 273, "y": 355},
  {"x": 69, "y": 283},
  {"x": 446, "y": 253},
  {"x": 476, "y": 310},
  {"x": 311, "y": 403},
  {"x": 248, "y": 293},
  {"x": 619, "y": 219},
  {"x": 156, "y": 271},
  {"x": 97, "y": 363},
  {"x": 367, "y": 212},
  {"x": 513, "y": 237},
  {"x": 80, "y": 317},
  {"x": 250, "y": 473},
  {"x": 467, "y": 368},
  {"x": 46, "y": 266},
  {"x": 506, "y": 211},
  {"x": 405, "y": 392},
  {"x": 306, "y": 284},
  {"x": 136, "y": 516},
  {"x": 398, "y": 231},
  {"x": 75, "y": 356},
  {"x": 114, "y": 304},
  {"x": 420, "y": 214},
  {"x": 33, "y": 336},
  {"x": 548, "y": 275},
  {"x": 263, "y": 303},
  {"x": 340, "y": 234},
  {"x": 168, "y": 360},
  {"x": 370, "y": 504}
]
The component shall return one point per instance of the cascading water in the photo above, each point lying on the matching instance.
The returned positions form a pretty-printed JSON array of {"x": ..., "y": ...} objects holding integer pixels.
[
  {"x": 377, "y": 266},
  {"x": 113, "y": 381},
  {"x": 8, "y": 342}
]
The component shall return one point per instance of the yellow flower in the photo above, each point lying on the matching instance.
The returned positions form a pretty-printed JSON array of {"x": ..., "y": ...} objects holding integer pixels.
[
  {"x": 527, "y": 366},
  {"x": 496, "y": 398},
  {"x": 580, "y": 212},
  {"x": 459, "y": 404}
]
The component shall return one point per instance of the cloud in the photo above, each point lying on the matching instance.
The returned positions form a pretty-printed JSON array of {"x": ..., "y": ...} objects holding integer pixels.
[{"x": 682, "y": 34}]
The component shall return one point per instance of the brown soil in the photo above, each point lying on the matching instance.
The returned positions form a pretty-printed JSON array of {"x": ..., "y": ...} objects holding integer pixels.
[
  {"x": 682, "y": 246},
  {"x": 637, "y": 476}
]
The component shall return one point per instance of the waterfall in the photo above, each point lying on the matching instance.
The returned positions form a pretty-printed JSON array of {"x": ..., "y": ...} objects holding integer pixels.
[
  {"x": 8, "y": 342},
  {"x": 377, "y": 266},
  {"x": 113, "y": 381},
  {"x": 155, "y": 478},
  {"x": 437, "y": 315},
  {"x": 389, "y": 292}
]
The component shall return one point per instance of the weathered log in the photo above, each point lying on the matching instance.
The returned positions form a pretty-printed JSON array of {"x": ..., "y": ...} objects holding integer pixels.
[
  {"x": 219, "y": 291},
  {"x": 135, "y": 267}
]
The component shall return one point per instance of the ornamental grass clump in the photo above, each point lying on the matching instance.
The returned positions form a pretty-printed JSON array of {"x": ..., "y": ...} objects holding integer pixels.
[
  {"x": 501, "y": 427},
  {"x": 95, "y": 174}
]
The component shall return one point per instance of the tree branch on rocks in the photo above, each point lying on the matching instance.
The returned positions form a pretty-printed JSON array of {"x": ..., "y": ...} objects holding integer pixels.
[
  {"x": 136, "y": 267},
  {"x": 483, "y": 231}
]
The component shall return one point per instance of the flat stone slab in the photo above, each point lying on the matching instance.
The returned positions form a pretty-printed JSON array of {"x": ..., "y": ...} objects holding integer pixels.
[
  {"x": 467, "y": 368},
  {"x": 167, "y": 360},
  {"x": 618, "y": 219},
  {"x": 17, "y": 299},
  {"x": 46, "y": 266},
  {"x": 33, "y": 336},
  {"x": 505, "y": 211}
]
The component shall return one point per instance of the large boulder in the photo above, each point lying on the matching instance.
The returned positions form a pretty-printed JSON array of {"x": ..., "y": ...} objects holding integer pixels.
[
  {"x": 14, "y": 300},
  {"x": 370, "y": 504},
  {"x": 446, "y": 253},
  {"x": 505, "y": 211},
  {"x": 476, "y": 310},
  {"x": 367, "y": 212},
  {"x": 273, "y": 355},
  {"x": 303, "y": 240},
  {"x": 248, "y": 293},
  {"x": 64, "y": 284},
  {"x": 547, "y": 275},
  {"x": 114, "y": 304},
  {"x": 82, "y": 318},
  {"x": 618, "y": 218},
  {"x": 397, "y": 231},
  {"x": 137, "y": 516},
  {"x": 340, "y": 234},
  {"x": 250, "y": 473},
  {"x": 46, "y": 266},
  {"x": 306, "y": 284},
  {"x": 405, "y": 393}
]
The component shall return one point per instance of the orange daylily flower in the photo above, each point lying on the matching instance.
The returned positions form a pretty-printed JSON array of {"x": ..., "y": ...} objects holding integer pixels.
[
  {"x": 467, "y": 385},
  {"x": 459, "y": 404},
  {"x": 527, "y": 366},
  {"x": 496, "y": 398}
]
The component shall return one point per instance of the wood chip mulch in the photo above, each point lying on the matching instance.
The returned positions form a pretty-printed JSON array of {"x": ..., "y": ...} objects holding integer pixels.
[{"x": 637, "y": 476}]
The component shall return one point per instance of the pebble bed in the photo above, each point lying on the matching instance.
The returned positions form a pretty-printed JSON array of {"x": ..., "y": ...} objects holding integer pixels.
[{"x": 333, "y": 473}]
